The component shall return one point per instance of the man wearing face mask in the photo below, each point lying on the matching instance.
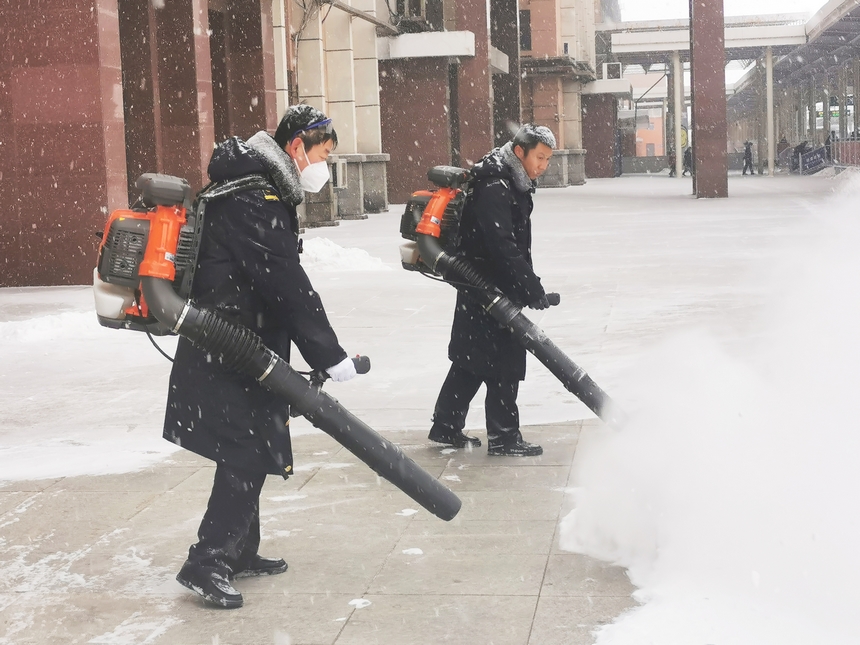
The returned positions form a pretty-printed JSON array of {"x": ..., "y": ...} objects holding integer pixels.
[{"x": 248, "y": 271}]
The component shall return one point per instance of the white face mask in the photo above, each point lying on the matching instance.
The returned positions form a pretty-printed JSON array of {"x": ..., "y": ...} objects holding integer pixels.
[{"x": 314, "y": 176}]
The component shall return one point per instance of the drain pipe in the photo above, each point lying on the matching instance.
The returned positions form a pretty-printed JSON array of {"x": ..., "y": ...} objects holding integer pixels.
[{"x": 244, "y": 352}]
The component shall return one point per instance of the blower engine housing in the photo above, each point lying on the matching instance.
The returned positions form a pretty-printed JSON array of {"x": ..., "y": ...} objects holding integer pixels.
[
  {"x": 447, "y": 178},
  {"x": 116, "y": 279}
]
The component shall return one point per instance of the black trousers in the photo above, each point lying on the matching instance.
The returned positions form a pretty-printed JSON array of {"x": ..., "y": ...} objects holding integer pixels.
[
  {"x": 458, "y": 390},
  {"x": 748, "y": 165},
  {"x": 229, "y": 535}
]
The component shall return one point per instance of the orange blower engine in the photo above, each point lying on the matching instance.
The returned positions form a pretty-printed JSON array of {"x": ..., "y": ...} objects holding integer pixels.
[{"x": 157, "y": 237}]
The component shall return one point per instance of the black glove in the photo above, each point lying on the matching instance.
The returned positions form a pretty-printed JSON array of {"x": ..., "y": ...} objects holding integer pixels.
[{"x": 540, "y": 303}]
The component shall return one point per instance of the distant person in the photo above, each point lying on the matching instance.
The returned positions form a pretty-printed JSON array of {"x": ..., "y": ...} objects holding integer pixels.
[
  {"x": 828, "y": 147},
  {"x": 688, "y": 162},
  {"x": 799, "y": 150},
  {"x": 748, "y": 158}
]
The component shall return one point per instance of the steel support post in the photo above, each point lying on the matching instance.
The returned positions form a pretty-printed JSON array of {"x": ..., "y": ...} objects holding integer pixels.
[
  {"x": 771, "y": 135},
  {"x": 680, "y": 105}
]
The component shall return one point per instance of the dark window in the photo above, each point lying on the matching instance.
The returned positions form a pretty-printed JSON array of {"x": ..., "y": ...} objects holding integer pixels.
[{"x": 526, "y": 30}]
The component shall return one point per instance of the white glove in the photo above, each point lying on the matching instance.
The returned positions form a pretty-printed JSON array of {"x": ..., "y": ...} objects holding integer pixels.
[{"x": 343, "y": 371}]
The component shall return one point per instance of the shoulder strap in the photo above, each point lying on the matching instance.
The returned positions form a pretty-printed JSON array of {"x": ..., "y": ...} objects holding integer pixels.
[{"x": 240, "y": 184}]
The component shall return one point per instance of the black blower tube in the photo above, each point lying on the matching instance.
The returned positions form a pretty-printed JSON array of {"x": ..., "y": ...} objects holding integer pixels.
[
  {"x": 245, "y": 352},
  {"x": 529, "y": 335}
]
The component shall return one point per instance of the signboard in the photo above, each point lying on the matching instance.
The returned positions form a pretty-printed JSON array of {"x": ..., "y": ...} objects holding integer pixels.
[{"x": 814, "y": 161}]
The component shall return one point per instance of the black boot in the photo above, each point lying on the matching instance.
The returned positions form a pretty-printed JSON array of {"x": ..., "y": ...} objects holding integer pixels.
[
  {"x": 260, "y": 566},
  {"x": 453, "y": 438},
  {"x": 509, "y": 442},
  {"x": 517, "y": 449},
  {"x": 213, "y": 583}
]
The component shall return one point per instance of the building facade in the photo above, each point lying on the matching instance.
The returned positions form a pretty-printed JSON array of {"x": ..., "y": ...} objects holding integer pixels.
[{"x": 94, "y": 93}]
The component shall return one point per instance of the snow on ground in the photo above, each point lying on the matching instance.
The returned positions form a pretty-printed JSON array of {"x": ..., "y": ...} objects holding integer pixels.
[
  {"x": 725, "y": 327},
  {"x": 731, "y": 495}
]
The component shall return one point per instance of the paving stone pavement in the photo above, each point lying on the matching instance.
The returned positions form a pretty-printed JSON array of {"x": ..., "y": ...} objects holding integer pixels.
[{"x": 93, "y": 559}]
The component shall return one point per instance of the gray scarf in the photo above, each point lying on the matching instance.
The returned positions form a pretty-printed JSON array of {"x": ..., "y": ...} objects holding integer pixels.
[
  {"x": 280, "y": 166},
  {"x": 521, "y": 179}
]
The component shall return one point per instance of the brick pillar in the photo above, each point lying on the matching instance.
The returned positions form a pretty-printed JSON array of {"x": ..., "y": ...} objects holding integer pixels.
[
  {"x": 250, "y": 64},
  {"x": 185, "y": 87},
  {"x": 474, "y": 111},
  {"x": 708, "y": 90},
  {"x": 62, "y": 144},
  {"x": 506, "y": 87}
]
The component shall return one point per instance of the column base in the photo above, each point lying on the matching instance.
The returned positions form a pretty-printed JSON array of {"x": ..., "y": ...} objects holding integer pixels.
[{"x": 566, "y": 168}]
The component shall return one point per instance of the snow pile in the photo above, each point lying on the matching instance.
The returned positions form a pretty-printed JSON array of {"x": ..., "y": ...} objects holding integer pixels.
[
  {"x": 51, "y": 327},
  {"x": 731, "y": 496},
  {"x": 321, "y": 254}
]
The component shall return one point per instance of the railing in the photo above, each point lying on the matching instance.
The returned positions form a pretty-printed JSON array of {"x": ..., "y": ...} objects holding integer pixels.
[{"x": 846, "y": 153}]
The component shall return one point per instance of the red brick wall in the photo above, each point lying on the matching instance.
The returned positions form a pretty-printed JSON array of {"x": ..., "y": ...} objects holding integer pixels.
[
  {"x": 415, "y": 122},
  {"x": 62, "y": 147},
  {"x": 599, "y": 122}
]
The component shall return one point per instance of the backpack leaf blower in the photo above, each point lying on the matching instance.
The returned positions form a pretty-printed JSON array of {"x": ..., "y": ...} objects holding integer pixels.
[
  {"x": 432, "y": 222},
  {"x": 146, "y": 261}
]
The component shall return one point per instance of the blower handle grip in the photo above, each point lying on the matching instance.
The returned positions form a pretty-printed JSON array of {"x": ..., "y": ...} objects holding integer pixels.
[{"x": 362, "y": 364}]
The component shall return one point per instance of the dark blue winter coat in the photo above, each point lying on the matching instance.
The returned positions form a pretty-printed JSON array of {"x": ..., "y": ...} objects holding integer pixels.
[
  {"x": 249, "y": 272},
  {"x": 496, "y": 240}
]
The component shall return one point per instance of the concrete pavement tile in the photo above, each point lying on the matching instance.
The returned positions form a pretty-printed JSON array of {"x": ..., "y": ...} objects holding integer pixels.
[
  {"x": 507, "y": 505},
  {"x": 155, "y": 479},
  {"x": 570, "y": 620},
  {"x": 505, "y": 477},
  {"x": 323, "y": 536},
  {"x": 29, "y": 486},
  {"x": 344, "y": 475},
  {"x": 481, "y": 537},
  {"x": 68, "y": 520},
  {"x": 331, "y": 572},
  {"x": 86, "y": 617},
  {"x": 12, "y": 503},
  {"x": 266, "y": 618},
  {"x": 427, "y": 618},
  {"x": 580, "y": 575},
  {"x": 382, "y": 503},
  {"x": 437, "y": 571}
]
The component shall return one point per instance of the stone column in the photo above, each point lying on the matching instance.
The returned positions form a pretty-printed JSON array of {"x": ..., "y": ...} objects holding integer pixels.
[
  {"x": 369, "y": 136},
  {"x": 708, "y": 90},
  {"x": 372, "y": 171},
  {"x": 281, "y": 45},
  {"x": 854, "y": 90},
  {"x": 340, "y": 81},
  {"x": 680, "y": 106},
  {"x": 771, "y": 134},
  {"x": 811, "y": 134},
  {"x": 843, "y": 103},
  {"x": 825, "y": 106},
  {"x": 310, "y": 58}
]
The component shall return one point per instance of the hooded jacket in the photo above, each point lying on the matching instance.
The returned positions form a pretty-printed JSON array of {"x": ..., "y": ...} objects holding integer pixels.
[
  {"x": 248, "y": 271},
  {"x": 496, "y": 240}
]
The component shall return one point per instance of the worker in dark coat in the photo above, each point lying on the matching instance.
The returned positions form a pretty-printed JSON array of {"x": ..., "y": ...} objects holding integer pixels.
[
  {"x": 496, "y": 240},
  {"x": 748, "y": 158},
  {"x": 248, "y": 271}
]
